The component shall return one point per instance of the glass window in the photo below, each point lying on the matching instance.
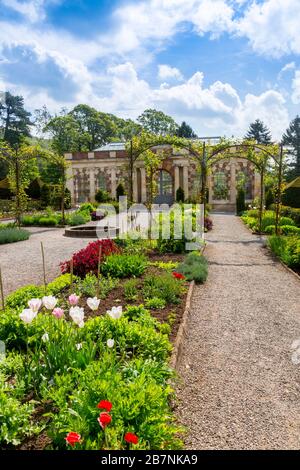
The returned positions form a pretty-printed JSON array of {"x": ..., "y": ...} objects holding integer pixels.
[
  {"x": 220, "y": 186},
  {"x": 102, "y": 182}
]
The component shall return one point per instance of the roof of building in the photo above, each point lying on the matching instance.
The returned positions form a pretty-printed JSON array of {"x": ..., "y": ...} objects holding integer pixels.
[
  {"x": 294, "y": 184},
  {"x": 111, "y": 147}
]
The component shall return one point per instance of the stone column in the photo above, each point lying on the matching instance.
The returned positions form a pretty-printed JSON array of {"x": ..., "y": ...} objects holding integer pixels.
[
  {"x": 210, "y": 188},
  {"x": 143, "y": 185},
  {"x": 70, "y": 183},
  {"x": 186, "y": 181},
  {"x": 113, "y": 183},
  {"x": 92, "y": 184},
  {"x": 232, "y": 182},
  {"x": 176, "y": 179},
  {"x": 256, "y": 189}
]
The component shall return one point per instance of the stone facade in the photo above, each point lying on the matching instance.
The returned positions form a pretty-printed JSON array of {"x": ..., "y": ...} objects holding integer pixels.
[{"x": 105, "y": 168}]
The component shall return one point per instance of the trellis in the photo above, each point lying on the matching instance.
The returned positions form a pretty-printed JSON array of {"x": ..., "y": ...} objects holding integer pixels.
[{"x": 207, "y": 155}]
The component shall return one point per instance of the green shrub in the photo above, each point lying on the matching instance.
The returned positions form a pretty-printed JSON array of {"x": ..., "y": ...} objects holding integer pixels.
[
  {"x": 86, "y": 207},
  {"x": 289, "y": 229},
  {"x": 155, "y": 303},
  {"x": 269, "y": 198},
  {"x": 180, "y": 195},
  {"x": 131, "y": 289},
  {"x": 286, "y": 248},
  {"x": 194, "y": 268},
  {"x": 120, "y": 191},
  {"x": 286, "y": 221},
  {"x": 12, "y": 235},
  {"x": 50, "y": 221},
  {"x": 163, "y": 287},
  {"x": 19, "y": 299},
  {"x": 124, "y": 265},
  {"x": 240, "y": 201},
  {"x": 254, "y": 213},
  {"x": 78, "y": 219},
  {"x": 102, "y": 196},
  {"x": 270, "y": 229},
  {"x": 60, "y": 283}
]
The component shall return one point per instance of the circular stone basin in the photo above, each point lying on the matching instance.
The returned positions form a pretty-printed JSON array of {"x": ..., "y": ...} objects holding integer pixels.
[{"x": 90, "y": 231}]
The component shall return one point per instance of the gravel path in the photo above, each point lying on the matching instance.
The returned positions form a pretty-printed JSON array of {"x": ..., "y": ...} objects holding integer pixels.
[
  {"x": 21, "y": 262},
  {"x": 239, "y": 387}
]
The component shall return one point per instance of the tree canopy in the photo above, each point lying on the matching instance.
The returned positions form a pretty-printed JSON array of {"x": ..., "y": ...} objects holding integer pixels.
[
  {"x": 184, "y": 130},
  {"x": 157, "y": 122},
  {"x": 291, "y": 138},
  {"x": 14, "y": 120},
  {"x": 259, "y": 132}
]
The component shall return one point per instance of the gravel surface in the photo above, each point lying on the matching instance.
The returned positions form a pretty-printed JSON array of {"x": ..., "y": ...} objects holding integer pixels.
[
  {"x": 21, "y": 262},
  {"x": 239, "y": 387}
]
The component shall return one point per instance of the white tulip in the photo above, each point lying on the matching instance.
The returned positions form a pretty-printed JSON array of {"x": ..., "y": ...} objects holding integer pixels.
[
  {"x": 45, "y": 337},
  {"x": 110, "y": 343},
  {"x": 78, "y": 346},
  {"x": 93, "y": 303},
  {"x": 28, "y": 315},
  {"x": 34, "y": 304},
  {"x": 49, "y": 302},
  {"x": 115, "y": 312},
  {"x": 77, "y": 315}
]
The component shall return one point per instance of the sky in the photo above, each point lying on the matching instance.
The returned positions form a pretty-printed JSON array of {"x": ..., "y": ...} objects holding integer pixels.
[{"x": 216, "y": 64}]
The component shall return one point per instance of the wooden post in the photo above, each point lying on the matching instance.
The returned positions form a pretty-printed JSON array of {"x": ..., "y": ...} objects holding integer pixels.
[
  {"x": 2, "y": 291},
  {"x": 44, "y": 266},
  {"x": 261, "y": 207}
]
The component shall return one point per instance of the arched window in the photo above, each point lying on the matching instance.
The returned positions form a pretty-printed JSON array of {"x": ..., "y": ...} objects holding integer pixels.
[
  {"x": 243, "y": 179},
  {"x": 220, "y": 186}
]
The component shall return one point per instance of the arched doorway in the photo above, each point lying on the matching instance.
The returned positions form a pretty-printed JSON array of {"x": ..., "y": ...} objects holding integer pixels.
[{"x": 164, "y": 188}]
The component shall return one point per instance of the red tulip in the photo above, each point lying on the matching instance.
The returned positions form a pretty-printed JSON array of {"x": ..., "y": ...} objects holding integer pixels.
[
  {"x": 131, "y": 438},
  {"x": 178, "y": 276},
  {"x": 72, "y": 438},
  {"x": 105, "y": 405},
  {"x": 104, "y": 419}
]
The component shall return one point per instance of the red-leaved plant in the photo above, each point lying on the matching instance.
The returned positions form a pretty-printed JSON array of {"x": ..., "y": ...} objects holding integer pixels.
[{"x": 86, "y": 260}]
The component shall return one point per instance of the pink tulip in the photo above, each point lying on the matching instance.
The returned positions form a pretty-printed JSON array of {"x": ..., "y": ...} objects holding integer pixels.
[
  {"x": 58, "y": 312},
  {"x": 73, "y": 299}
]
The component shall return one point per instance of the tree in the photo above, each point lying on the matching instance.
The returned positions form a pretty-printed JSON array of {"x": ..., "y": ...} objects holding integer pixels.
[
  {"x": 125, "y": 128},
  {"x": 157, "y": 122},
  {"x": 95, "y": 128},
  {"x": 291, "y": 138},
  {"x": 184, "y": 130},
  {"x": 259, "y": 132},
  {"x": 14, "y": 120},
  {"x": 65, "y": 133}
]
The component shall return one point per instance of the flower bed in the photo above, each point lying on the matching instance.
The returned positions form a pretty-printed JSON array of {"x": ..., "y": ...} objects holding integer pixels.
[{"x": 87, "y": 363}]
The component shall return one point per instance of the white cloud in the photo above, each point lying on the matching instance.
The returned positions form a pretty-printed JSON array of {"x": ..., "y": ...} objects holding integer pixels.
[
  {"x": 33, "y": 10},
  {"x": 166, "y": 72},
  {"x": 272, "y": 27},
  {"x": 296, "y": 88},
  {"x": 287, "y": 68}
]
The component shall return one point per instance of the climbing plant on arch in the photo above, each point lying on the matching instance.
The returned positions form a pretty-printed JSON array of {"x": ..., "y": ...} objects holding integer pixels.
[{"x": 206, "y": 155}]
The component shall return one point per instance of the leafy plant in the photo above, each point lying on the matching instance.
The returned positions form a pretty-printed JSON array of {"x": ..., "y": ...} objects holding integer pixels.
[
  {"x": 194, "y": 268},
  {"x": 131, "y": 289},
  {"x": 155, "y": 303},
  {"x": 163, "y": 287},
  {"x": 12, "y": 235},
  {"x": 124, "y": 265}
]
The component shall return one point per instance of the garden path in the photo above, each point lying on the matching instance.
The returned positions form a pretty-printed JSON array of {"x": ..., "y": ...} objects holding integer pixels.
[
  {"x": 239, "y": 387},
  {"x": 21, "y": 262}
]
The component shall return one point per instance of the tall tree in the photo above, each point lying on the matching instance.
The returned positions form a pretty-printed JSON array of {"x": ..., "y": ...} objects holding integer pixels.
[
  {"x": 291, "y": 138},
  {"x": 184, "y": 130},
  {"x": 125, "y": 128},
  {"x": 14, "y": 120},
  {"x": 96, "y": 128},
  {"x": 259, "y": 132},
  {"x": 157, "y": 122},
  {"x": 65, "y": 133}
]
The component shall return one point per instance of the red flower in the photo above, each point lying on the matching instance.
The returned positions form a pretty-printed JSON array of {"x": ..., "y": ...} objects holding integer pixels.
[
  {"x": 105, "y": 405},
  {"x": 178, "y": 276},
  {"x": 72, "y": 438},
  {"x": 131, "y": 438},
  {"x": 104, "y": 419}
]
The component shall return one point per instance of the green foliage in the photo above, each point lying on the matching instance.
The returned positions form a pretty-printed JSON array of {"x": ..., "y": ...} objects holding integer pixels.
[
  {"x": 269, "y": 198},
  {"x": 180, "y": 195},
  {"x": 165, "y": 265},
  {"x": 14, "y": 119},
  {"x": 120, "y": 191},
  {"x": 184, "y": 130},
  {"x": 79, "y": 218},
  {"x": 88, "y": 285},
  {"x": 124, "y": 265},
  {"x": 291, "y": 138},
  {"x": 291, "y": 197},
  {"x": 172, "y": 242},
  {"x": 131, "y": 289},
  {"x": 259, "y": 132},
  {"x": 12, "y": 235},
  {"x": 194, "y": 268},
  {"x": 102, "y": 196},
  {"x": 155, "y": 303},
  {"x": 156, "y": 122},
  {"x": 286, "y": 248},
  {"x": 86, "y": 207},
  {"x": 60, "y": 283},
  {"x": 163, "y": 287},
  {"x": 19, "y": 299},
  {"x": 240, "y": 201}
]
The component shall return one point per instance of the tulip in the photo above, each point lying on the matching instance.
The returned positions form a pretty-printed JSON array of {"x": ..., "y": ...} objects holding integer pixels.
[
  {"x": 72, "y": 438},
  {"x": 104, "y": 419},
  {"x": 78, "y": 346},
  {"x": 45, "y": 337},
  {"x": 115, "y": 313},
  {"x": 73, "y": 299},
  {"x": 93, "y": 303},
  {"x": 105, "y": 405},
  {"x": 77, "y": 315},
  {"x": 110, "y": 343},
  {"x": 49, "y": 302},
  {"x": 58, "y": 312},
  {"x": 34, "y": 304},
  {"x": 28, "y": 315},
  {"x": 131, "y": 438}
]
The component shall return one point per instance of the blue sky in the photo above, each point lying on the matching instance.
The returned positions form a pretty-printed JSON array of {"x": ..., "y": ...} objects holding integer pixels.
[{"x": 217, "y": 64}]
